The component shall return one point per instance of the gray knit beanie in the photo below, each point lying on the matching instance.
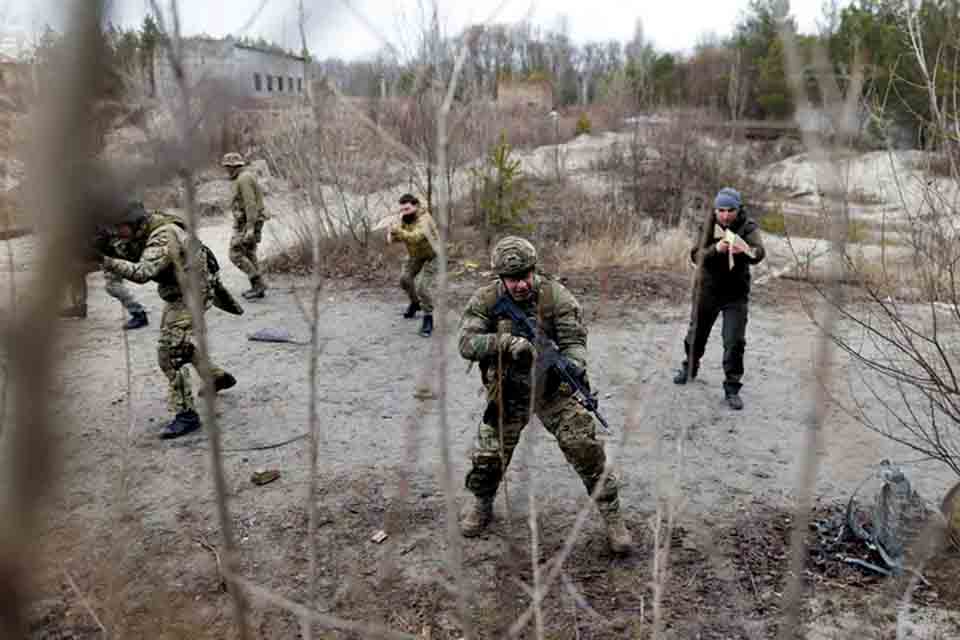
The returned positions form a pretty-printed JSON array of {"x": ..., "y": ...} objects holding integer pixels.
[{"x": 727, "y": 198}]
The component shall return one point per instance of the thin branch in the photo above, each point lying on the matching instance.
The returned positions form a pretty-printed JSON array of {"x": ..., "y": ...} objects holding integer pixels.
[
  {"x": 302, "y": 612},
  {"x": 85, "y": 602},
  {"x": 196, "y": 306},
  {"x": 823, "y": 362}
]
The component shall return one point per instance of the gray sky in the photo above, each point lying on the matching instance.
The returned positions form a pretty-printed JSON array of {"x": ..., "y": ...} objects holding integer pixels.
[{"x": 333, "y": 29}]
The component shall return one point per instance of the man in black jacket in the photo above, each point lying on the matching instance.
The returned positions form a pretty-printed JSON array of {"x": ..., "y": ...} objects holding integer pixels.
[{"x": 724, "y": 288}]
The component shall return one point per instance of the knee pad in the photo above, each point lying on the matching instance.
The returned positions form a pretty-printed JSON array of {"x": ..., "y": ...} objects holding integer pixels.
[{"x": 484, "y": 476}]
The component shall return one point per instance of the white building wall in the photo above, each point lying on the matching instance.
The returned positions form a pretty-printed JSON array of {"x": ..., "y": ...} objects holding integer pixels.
[{"x": 251, "y": 72}]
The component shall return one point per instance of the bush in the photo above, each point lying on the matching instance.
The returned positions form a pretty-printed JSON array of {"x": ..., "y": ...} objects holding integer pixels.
[
  {"x": 499, "y": 197},
  {"x": 774, "y": 222},
  {"x": 800, "y": 226},
  {"x": 583, "y": 125}
]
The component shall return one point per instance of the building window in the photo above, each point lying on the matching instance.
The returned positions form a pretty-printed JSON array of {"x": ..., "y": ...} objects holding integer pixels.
[
  {"x": 299, "y": 85},
  {"x": 257, "y": 83},
  {"x": 269, "y": 82},
  {"x": 290, "y": 85}
]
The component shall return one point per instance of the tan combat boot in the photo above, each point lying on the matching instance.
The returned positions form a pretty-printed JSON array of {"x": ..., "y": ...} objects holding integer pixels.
[
  {"x": 476, "y": 516},
  {"x": 618, "y": 536}
]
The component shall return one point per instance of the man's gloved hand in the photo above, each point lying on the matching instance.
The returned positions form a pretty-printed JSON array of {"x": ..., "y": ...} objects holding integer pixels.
[
  {"x": 249, "y": 237},
  {"x": 516, "y": 347},
  {"x": 521, "y": 349},
  {"x": 101, "y": 244}
]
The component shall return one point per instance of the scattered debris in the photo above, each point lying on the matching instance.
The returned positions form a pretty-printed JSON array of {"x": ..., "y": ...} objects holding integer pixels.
[
  {"x": 379, "y": 536},
  {"x": 873, "y": 531},
  {"x": 272, "y": 334},
  {"x": 424, "y": 393},
  {"x": 261, "y": 477},
  {"x": 203, "y": 542}
]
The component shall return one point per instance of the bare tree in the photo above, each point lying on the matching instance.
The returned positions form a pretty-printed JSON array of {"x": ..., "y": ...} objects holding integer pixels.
[{"x": 907, "y": 366}]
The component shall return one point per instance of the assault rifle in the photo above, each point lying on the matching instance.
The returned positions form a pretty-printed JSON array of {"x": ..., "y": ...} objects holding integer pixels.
[{"x": 549, "y": 358}]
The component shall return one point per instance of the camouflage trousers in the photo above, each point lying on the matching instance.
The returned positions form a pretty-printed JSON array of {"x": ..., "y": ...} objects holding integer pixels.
[
  {"x": 77, "y": 291},
  {"x": 565, "y": 419},
  {"x": 175, "y": 350},
  {"x": 416, "y": 278},
  {"x": 244, "y": 254},
  {"x": 118, "y": 290}
]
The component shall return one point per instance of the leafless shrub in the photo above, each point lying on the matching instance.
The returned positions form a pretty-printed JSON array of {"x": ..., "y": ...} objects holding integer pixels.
[
  {"x": 334, "y": 174},
  {"x": 904, "y": 356},
  {"x": 669, "y": 170}
]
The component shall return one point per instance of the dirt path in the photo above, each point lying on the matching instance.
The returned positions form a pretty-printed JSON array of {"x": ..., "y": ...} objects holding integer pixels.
[{"x": 148, "y": 574}]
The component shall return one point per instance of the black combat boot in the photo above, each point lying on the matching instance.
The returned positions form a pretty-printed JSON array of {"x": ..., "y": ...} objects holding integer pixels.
[
  {"x": 224, "y": 381},
  {"x": 427, "y": 327},
  {"x": 185, "y": 422},
  {"x": 685, "y": 373},
  {"x": 257, "y": 289},
  {"x": 137, "y": 319},
  {"x": 734, "y": 400},
  {"x": 412, "y": 309}
]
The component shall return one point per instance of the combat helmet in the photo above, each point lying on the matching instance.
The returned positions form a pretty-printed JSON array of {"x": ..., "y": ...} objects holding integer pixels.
[
  {"x": 233, "y": 159},
  {"x": 134, "y": 213},
  {"x": 513, "y": 256}
]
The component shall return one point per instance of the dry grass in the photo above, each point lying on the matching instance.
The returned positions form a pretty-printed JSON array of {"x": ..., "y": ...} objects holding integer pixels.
[{"x": 665, "y": 250}]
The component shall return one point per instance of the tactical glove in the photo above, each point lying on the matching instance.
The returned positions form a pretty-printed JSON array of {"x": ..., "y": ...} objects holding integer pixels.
[{"x": 515, "y": 347}]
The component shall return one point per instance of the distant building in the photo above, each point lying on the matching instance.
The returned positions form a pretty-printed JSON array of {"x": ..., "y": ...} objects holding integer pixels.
[
  {"x": 250, "y": 71},
  {"x": 536, "y": 94}
]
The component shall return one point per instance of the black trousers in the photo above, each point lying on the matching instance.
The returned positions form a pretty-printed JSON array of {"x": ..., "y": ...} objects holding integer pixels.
[{"x": 734, "y": 312}]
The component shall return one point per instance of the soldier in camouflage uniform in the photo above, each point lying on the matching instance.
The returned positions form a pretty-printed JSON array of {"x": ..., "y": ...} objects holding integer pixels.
[
  {"x": 487, "y": 339},
  {"x": 248, "y": 218},
  {"x": 110, "y": 245},
  {"x": 418, "y": 231},
  {"x": 163, "y": 260}
]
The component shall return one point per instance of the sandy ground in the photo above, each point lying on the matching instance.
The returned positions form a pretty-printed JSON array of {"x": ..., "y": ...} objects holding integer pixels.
[
  {"x": 134, "y": 526},
  {"x": 140, "y": 558}
]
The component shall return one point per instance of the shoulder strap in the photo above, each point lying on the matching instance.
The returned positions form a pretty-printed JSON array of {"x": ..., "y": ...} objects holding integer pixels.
[{"x": 547, "y": 298}]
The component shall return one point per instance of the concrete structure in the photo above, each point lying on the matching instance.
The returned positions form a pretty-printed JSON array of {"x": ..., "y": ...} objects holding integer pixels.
[{"x": 251, "y": 72}]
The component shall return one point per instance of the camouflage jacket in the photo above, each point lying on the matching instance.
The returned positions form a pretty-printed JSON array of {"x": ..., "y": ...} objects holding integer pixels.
[
  {"x": 163, "y": 259},
  {"x": 106, "y": 243},
  {"x": 552, "y": 307},
  {"x": 421, "y": 236},
  {"x": 247, "y": 203}
]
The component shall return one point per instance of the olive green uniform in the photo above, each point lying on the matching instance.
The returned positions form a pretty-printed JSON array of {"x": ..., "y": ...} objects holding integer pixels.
[
  {"x": 249, "y": 216},
  {"x": 420, "y": 268},
  {"x": 573, "y": 427},
  {"x": 163, "y": 260}
]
